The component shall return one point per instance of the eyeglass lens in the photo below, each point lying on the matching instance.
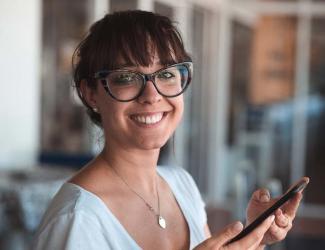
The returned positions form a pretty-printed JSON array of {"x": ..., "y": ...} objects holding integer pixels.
[{"x": 125, "y": 85}]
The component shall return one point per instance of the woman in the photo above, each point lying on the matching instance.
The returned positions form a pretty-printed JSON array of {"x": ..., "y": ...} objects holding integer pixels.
[{"x": 130, "y": 72}]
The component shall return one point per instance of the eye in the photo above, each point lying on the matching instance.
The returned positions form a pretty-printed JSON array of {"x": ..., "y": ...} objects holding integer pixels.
[
  {"x": 121, "y": 78},
  {"x": 166, "y": 75}
]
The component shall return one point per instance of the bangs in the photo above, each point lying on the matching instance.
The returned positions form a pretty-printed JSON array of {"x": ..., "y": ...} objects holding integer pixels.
[{"x": 135, "y": 40}]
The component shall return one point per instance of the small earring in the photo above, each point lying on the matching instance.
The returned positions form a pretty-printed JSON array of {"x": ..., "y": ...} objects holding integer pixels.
[{"x": 95, "y": 110}]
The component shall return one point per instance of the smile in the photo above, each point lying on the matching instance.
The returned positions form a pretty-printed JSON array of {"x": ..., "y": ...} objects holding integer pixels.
[{"x": 148, "y": 119}]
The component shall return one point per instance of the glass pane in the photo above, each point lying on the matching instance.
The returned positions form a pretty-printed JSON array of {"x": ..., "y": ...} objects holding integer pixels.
[
  {"x": 273, "y": 60},
  {"x": 163, "y": 9},
  {"x": 65, "y": 23},
  {"x": 261, "y": 112},
  {"x": 315, "y": 143},
  {"x": 196, "y": 150},
  {"x": 240, "y": 75},
  {"x": 278, "y": 0},
  {"x": 271, "y": 93},
  {"x": 118, "y": 5}
]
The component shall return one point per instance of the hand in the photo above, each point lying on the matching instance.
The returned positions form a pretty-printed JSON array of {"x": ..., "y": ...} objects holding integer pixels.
[
  {"x": 250, "y": 242},
  {"x": 284, "y": 216}
]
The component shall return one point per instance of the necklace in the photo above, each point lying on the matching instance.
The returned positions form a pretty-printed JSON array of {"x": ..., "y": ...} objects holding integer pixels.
[{"x": 161, "y": 221}]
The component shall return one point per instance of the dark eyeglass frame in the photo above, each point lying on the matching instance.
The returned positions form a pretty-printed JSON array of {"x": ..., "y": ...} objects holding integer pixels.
[{"x": 102, "y": 74}]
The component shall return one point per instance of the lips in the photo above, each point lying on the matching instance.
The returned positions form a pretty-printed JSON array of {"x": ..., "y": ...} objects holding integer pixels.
[{"x": 148, "y": 118}]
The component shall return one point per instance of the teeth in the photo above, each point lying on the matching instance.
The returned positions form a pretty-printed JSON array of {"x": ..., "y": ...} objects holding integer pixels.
[{"x": 148, "y": 119}]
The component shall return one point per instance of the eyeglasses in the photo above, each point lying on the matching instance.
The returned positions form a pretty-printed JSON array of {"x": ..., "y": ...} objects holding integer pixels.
[{"x": 126, "y": 85}]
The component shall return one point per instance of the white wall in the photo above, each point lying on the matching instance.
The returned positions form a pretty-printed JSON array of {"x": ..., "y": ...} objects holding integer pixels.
[{"x": 20, "y": 40}]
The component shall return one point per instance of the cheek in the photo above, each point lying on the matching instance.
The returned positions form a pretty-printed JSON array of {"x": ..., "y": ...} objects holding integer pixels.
[
  {"x": 179, "y": 108},
  {"x": 113, "y": 113}
]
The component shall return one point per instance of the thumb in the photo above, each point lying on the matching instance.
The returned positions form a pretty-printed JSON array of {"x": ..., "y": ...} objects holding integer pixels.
[
  {"x": 221, "y": 238},
  {"x": 228, "y": 233},
  {"x": 261, "y": 195}
]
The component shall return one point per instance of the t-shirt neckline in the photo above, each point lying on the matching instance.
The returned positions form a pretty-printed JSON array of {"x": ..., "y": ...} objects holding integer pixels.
[{"x": 175, "y": 193}]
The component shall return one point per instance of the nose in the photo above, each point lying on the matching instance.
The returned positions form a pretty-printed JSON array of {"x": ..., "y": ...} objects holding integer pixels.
[{"x": 149, "y": 94}]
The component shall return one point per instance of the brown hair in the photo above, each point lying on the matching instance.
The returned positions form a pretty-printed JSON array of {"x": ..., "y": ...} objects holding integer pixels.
[{"x": 132, "y": 36}]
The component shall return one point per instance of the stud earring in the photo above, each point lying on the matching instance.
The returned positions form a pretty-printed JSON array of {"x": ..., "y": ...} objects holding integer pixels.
[{"x": 95, "y": 110}]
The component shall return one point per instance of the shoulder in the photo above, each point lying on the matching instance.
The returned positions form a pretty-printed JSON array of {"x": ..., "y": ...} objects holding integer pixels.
[
  {"x": 71, "y": 216},
  {"x": 71, "y": 204},
  {"x": 69, "y": 231}
]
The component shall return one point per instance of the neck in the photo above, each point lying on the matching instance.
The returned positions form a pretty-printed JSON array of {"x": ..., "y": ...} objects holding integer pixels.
[{"x": 136, "y": 167}]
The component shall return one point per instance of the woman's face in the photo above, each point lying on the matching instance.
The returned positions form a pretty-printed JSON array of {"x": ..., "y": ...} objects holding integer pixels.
[{"x": 145, "y": 123}]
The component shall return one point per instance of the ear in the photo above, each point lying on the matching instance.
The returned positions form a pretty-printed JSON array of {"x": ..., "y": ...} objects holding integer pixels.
[{"x": 88, "y": 94}]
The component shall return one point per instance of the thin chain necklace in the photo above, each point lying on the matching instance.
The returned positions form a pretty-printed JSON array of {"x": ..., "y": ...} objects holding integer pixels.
[{"x": 161, "y": 221}]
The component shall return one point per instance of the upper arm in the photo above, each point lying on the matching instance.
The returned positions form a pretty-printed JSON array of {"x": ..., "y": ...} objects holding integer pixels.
[{"x": 70, "y": 231}]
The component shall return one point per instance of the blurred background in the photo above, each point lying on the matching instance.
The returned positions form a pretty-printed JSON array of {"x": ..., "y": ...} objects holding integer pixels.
[{"x": 255, "y": 112}]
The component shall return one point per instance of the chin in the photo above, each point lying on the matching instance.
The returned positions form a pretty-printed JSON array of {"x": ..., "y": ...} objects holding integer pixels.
[{"x": 151, "y": 144}]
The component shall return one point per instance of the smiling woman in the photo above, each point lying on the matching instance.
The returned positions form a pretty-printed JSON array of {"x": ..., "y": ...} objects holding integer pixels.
[{"x": 130, "y": 72}]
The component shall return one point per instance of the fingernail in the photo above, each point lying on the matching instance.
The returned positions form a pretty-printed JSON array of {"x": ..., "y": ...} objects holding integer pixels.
[
  {"x": 238, "y": 226},
  {"x": 264, "y": 198},
  {"x": 272, "y": 217}
]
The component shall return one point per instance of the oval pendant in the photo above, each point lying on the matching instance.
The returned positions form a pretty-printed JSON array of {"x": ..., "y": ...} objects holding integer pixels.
[{"x": 161, "y": 222}]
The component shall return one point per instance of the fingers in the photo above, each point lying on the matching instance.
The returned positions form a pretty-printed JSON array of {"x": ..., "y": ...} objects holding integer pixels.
[
  {"x": 304, "y": 179},
  {"x": 254, "y": 238},
  {"x": 220, "y": 239},
  {"x": 291, "y": 207},
  {"x": 279, "y": 228},
  {"x": 277, "y": 233},
  {"x": 261, "y": 195},
  {"x": 227, "y": 234},
  {"x": 282, "y": 220}
]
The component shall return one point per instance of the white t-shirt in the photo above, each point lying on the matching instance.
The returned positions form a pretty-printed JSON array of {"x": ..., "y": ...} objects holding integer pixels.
[{"x": 78, "y": 219}]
